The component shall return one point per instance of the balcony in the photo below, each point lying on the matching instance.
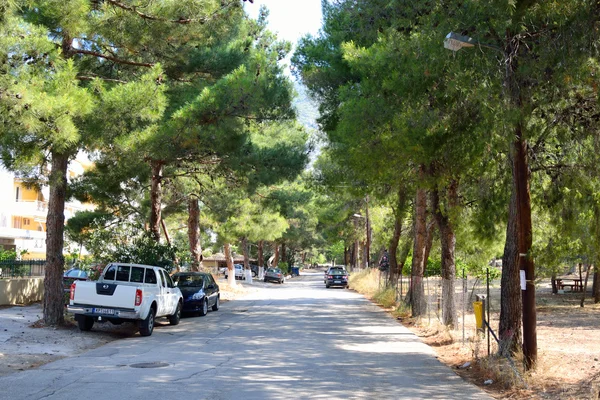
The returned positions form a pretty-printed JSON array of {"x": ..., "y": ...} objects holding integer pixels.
[{"x": 37, "y": 209}]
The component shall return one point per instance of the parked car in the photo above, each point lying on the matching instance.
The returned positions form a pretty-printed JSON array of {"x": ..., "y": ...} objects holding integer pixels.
[
  {"x": 254, "y": 269},
  {"x": 239, "y": 271},
  {"x": 274, "y": 275},
  {"x": 199, "y": 290},
  {"x": 72, "y": 275},
  {"x": 126, "y": 292},
  {"x": 336, "y": 277}
]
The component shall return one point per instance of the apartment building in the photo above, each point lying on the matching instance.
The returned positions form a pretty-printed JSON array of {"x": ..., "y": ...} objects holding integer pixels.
[{"x": 23, "y": 211}]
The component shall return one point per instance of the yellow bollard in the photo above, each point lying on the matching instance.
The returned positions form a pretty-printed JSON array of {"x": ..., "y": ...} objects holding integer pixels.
[{"x": 479, "y": 317}]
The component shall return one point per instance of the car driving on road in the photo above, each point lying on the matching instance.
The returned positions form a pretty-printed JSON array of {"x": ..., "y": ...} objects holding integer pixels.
[{"x": 336, "y": 277}]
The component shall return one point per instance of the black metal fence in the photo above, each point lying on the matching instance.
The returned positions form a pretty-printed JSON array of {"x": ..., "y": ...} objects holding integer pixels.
[{"x": 21, "y": 268}]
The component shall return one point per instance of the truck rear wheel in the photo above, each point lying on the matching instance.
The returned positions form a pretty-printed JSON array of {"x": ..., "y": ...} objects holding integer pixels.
[
  {"x": 85, "y": 323},
  {"x": 147, "y": 325}
]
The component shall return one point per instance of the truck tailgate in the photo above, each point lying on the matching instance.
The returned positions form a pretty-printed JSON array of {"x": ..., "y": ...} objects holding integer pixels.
[{"x": 103, "y": 294}]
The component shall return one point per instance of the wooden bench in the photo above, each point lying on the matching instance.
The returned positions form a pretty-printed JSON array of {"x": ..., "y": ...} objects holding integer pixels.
[{"x": 576, "y": 286}]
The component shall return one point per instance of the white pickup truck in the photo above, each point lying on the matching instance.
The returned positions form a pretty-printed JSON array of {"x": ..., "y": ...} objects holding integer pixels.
[{"x": 126, "y": 292}]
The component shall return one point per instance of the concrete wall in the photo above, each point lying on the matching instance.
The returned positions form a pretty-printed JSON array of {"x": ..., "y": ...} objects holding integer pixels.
[{"x": 21, "y": 290}]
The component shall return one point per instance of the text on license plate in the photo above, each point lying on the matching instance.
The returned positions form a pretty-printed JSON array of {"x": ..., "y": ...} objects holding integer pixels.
[
  {"x": 337, "y": 281},
  {"x": 103, "y": 311}
]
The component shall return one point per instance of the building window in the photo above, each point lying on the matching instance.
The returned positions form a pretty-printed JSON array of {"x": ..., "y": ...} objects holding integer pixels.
[
  {"x": 26, "y": 221},
  {"x": 18, "y": 193}
]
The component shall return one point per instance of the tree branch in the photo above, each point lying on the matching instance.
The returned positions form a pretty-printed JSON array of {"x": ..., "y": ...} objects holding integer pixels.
[
  {"x": 90, "y": 78},
  {"x": 111, "y": 58},
  {"x": 181, "y": 20}
]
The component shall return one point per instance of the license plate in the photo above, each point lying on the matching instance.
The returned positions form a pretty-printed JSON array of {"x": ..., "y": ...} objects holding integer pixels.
[
  {"x": 103, "y": 311},
  {"x": 337, "y": 281}
]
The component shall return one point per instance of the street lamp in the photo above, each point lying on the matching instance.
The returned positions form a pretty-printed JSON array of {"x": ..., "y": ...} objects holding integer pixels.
[
  {"x": 455, "y": 42},
  {"x": 523, "y": 225}
]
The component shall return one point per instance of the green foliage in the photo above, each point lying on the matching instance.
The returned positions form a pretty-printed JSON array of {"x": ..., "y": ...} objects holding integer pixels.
[
  {"x": 284, "y": 267},
  {"x": 145, "y": 250},
  {"x": 7, "y": 255}
]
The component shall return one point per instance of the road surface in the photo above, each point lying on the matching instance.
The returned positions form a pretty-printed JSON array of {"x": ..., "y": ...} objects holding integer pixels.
[{"x": 292, "y": 341}]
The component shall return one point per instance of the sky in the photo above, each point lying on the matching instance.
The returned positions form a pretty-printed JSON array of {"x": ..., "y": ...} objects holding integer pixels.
[{"x": 288, "y": 18}]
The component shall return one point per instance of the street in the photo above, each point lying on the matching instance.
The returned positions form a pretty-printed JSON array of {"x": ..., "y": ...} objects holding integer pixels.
[{"x": 296, "y": 340}]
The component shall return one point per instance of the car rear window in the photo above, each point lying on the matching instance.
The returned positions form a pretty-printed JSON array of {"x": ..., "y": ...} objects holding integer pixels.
[
  {"x": 337, "y": 271},
  {"x": 137, "y": 274},
  {"x": 110, "y": 273},
  {"x": 123, "y": 273}
]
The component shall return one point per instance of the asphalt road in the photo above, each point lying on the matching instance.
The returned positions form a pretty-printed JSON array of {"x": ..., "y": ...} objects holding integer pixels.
[{"x": 297, "y": 340}]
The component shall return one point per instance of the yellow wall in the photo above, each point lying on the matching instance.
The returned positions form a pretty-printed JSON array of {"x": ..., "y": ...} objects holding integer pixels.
[
  {"x": 27, "y": 223},
  {"x": 33, "y": 256},
  {"x": 26, "y": 194}
]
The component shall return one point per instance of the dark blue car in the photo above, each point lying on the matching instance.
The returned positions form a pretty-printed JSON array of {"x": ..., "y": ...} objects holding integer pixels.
[{"x": 200, "y": 291}]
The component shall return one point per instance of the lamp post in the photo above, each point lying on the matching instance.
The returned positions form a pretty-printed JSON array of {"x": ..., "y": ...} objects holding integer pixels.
[{"x": 521, "y": 224}]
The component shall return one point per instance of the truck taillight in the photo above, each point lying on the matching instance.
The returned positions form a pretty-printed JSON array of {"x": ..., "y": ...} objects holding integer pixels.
[
  {"x": 72, "y": 295},
  {"x": 138, "y": 297}
]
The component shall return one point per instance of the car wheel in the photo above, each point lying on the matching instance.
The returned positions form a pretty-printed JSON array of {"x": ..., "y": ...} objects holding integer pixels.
[
  {"x": 204, "y": 309},
  {"x": 265, "y": 279},
  {"x": 253, "y": 274},
  {"x": 176, "y": 317},
  {"x": 85, "y": 323},
  {"x": 147, "y": 325},
  {"x": 215, "y": 306},
  {"x": 327, "y": 286}
]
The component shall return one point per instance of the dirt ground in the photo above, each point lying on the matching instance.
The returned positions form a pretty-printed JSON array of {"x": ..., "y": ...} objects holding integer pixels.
[{"x": 568, "y": 367}]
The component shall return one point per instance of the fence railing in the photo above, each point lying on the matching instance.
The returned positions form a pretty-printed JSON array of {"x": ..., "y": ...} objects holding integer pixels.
[
  {"x": 467, "y": 290},
  {"x": 20, "y": 268}
]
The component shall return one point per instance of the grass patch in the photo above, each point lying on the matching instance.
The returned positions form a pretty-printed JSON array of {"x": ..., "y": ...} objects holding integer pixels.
[{"x": 386, "y": 297}]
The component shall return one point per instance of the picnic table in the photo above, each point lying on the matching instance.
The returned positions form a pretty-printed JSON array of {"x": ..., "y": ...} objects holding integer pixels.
[{"x": 574, "y": 284}]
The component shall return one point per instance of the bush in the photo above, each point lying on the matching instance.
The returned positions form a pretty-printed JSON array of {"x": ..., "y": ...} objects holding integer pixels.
[
  {"x": 145, "y": 250},
  {"x": 284, "y": 267}
]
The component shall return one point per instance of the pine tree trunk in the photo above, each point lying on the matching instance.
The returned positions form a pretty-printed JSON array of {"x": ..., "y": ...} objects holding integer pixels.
[
  {"x": 393, "y": 248},
  {"x": 417, "y": 289},
  {"x": 55, "y": 224},
  {"x": 247, "y": 270},
  {"x": 585, "y": 282},
  {"x": 261, "y": 260},
  {"x": 230, "y": 267},
  {"x": 275, "y": 254},
  {"x": 553, "y": 282},
  {"x": 346, "y": 256},
  {"x": 194, "y": 233},
  {"x": 448, "y": 245},
  {"x": 596, "y": 287},
  {"x": 283, "y": 251},
  {"x": 509, "y": 330},
  {"x": 156, "y": 199}
]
